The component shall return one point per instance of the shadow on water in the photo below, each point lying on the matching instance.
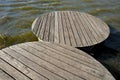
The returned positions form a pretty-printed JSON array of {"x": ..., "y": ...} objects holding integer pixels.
[{"x": 108, "y": 52}]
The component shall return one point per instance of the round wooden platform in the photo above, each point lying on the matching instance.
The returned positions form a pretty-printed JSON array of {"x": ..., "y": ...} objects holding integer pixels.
[
  {"x": 46, "y": 61},
  {"x": 71, "y": 28}
]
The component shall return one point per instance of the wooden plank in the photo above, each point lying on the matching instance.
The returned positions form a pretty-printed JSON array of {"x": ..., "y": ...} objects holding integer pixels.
[
  {"x": 84, "y": 29},
  {"x": 105, "y": 29},
  {"x": 55, "y": 54},
  {"x": 48, "y": 65},
  {"x": 21, "y": 67},
  {"x": 76, "y": 36},
  {"x": 41, "y": 69},
  {"x": 66, "y": 34},
  {"x": 76, "y": 29},
  {"x": 108, "y": 77},
  {"x": 80, "y": 29},
  {"x": 39, "y": 26},
  {"x": 71, "y": 28},
  {"x": 95, "y": 23},
  {"x": 78, "y": 56},
  {"x": 93, "y": 26},
  {"x": 43, "y": 27},
  {"x": 88, "y": 61},
  {"x": 47, "y": 29},
  {"x": 93, "y": 31},
  {"x": 61, "y": 30},
  {"x": 67, "y": 51},
  {"x": 56, "y": 34},
  {"x": 12, "y": 71},
  {"x": 37, "y": 53},
  {"x": 52, "y": 28},
  {"x": 70, "y": 31},
  {"x": 42, "y": 54},
  {"x": 44, "y": 60},
  {"x": 35, "y": 25},
  {"x": 89, "y": 29},
  {"x": 5, "y": 76}
]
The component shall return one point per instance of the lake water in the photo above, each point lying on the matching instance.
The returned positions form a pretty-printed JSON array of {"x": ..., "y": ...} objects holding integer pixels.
[{"x": 16, "y": 17}]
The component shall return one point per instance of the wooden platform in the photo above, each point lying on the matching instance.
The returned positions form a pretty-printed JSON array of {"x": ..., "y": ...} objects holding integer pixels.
[
  {"x": 72, "y": 28},
  {"x": 47, "y": 61}
]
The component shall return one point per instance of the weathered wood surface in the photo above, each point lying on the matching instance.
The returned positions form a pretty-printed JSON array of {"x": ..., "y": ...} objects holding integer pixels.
[
  {"x": 5, "y": 76},
  {"x": 47, "y": 61},
  {"x": 71, "y": 28}
]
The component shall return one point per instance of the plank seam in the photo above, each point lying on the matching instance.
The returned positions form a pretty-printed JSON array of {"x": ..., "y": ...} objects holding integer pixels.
[
  {"x": 89, "y": 27},
  {"x": 24, "y": 64},
  {"x": 91, "y": 39},
  {"x": 39, "y": 27},
  {"x": 15, "y": 68},
  {"x": 63, "y": 61},
  {"x": 55, "y": 65},
  {"x": 85, "y": 30},
  {"x": 8, "y": 74},
  {"x": 72, "y": 58},
  {"x": 77, "y": 17},
  {"x": 67, "y": 30},
  {"x": 40, "y": 65},
  {"x": 72, "y": 30}
]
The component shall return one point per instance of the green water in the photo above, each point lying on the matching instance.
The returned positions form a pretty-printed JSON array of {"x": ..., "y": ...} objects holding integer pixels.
[{"x": 16, "y": 17}]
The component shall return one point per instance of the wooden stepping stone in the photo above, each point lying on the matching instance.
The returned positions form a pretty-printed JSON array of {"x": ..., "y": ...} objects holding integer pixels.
[
  {"x": 72, "y": 28},
  {"x": 47, "y": 61}
]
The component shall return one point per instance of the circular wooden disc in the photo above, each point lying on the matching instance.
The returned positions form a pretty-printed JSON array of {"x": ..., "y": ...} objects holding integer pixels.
[
  {"x": 71, "y": 28},
  {"x": 47, "y": 61}
]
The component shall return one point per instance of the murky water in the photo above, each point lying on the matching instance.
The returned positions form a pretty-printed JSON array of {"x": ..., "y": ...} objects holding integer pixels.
[{"x": 16, "y": 17}]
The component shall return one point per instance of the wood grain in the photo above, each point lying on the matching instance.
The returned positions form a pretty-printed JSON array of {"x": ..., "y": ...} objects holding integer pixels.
[
  {"x": 72, "y": 28},
  {"x": 48, "y": 61}
]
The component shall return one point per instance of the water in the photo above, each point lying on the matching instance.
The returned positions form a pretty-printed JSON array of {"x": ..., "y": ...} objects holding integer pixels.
[{"x": 16, "y": 17}]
